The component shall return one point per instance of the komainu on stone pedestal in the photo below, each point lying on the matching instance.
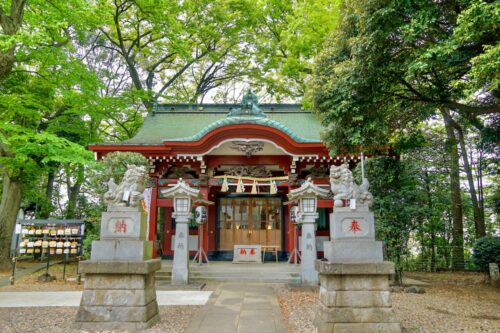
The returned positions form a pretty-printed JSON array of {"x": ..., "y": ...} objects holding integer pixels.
[
  {"x": 119, "y": 291},
  {"x": 354, "y": 293}
]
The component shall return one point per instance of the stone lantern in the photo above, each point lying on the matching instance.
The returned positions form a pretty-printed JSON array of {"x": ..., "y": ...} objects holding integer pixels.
[
  {"x": 307, "y": 197},
  {"x": 183, "y": 196}
]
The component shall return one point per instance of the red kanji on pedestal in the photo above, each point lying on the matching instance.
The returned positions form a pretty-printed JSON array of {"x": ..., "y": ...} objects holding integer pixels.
[
  {"x": 120, "y": 227},
  {"x": 355, "y": 226},
  {"x": 252, "y": 252},
  {"x": 243, "y": 252}
]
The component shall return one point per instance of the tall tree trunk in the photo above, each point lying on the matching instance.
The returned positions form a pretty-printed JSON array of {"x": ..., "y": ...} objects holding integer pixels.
[
  {"x": 9, "y": 206},
  {"x": 431, "y": 222},
  {"x": 479, "y": 178},
  {"x": 478, "y": 220},
  {"x": 456, "y": 200},
  {"x": 10, "y": 25},
  {"x": 49, "y": 191},
  {"x": 73, "y": 192}
]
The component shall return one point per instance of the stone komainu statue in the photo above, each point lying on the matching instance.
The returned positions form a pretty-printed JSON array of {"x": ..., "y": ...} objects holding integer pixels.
[
  {"x": 129, "y": 192},
  {"x": 344, "y": 187}
]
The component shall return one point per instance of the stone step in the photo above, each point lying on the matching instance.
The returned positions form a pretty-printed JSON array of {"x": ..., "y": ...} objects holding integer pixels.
[
  {"x": 285, "y": 280},
  {"x": 284, "y": 274},
  {"x": 237, "y": 273},
  {"x": 235, "y": 268}
]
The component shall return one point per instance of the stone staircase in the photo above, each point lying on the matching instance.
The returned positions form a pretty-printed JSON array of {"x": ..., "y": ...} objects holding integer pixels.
[{"x": 218, "y": 271}]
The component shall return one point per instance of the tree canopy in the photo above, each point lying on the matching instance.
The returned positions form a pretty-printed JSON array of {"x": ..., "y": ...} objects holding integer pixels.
[{"x": 417, "y": 77}]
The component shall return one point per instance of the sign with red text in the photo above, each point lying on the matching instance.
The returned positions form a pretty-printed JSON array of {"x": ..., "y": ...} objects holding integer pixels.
[
  {"x": 355, "y": 227},
  {"x": 247, "y": 253},
  {"x": 121, "y": 226}
]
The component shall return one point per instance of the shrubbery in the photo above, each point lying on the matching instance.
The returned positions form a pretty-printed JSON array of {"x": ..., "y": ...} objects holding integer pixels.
[{"x": 486, "y": 251}]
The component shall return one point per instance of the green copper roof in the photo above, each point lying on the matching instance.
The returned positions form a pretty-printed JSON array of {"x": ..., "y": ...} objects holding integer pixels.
[{"x": 185, "y": 122}]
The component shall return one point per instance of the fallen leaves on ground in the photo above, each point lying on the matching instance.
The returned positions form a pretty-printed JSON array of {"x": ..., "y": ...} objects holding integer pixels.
[{"x": 454, "y": 302}]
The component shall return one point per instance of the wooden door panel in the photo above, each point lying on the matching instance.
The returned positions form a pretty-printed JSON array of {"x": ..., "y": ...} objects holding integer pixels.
[{"x": 249, "y": 221}]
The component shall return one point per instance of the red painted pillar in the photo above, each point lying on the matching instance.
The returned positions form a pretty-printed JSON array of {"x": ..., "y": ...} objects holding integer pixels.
[
  {"x": 167, "y": 245},
  {"x": 204, "y": 190},
  {"x": 210, "y": 226},
  {"x": 153, "y": 211}
]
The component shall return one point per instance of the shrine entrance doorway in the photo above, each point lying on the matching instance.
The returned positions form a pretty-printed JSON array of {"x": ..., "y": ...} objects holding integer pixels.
[{"x": 249, "y": 220}]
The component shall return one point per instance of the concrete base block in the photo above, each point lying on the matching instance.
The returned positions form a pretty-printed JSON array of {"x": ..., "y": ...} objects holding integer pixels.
[
  {"x": 355, "y": 297},
  {"x": 121, "y": 249},
  {"x": 355, "y": 315},
  {"x": 118, "y": 281},
  {"x": 359, "y": 328},
  {"x": 119, "y": 267},
  {"x": 118, "y": 295},
  {"x": 359, "y": 250},
  {"x": 116, "y": 325}
]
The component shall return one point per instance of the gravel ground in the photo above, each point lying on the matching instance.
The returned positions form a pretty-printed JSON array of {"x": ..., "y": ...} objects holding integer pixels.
[
  {"x": 173, "y": 319},
  {"x": 455, "y": 302}
]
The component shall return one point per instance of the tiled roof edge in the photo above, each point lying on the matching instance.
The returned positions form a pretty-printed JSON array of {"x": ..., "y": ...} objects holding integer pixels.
[{"x": 244, "y": 120}]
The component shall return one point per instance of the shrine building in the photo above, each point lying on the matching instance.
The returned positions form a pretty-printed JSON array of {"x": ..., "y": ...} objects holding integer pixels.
[{"x": 243, "y": 157}]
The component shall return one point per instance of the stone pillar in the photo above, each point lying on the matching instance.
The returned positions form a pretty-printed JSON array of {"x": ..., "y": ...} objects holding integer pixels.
[
  {"x": 355, "y": 298},
  {"x": 308, "y": 250},
  {"x": 119, "y": 290},
  {"x": 180, "y": 269},
  {"x": 494, "y": 274}
]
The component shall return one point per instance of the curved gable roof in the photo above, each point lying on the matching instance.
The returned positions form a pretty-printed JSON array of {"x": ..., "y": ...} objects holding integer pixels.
[{"x": 191, "y": 122}]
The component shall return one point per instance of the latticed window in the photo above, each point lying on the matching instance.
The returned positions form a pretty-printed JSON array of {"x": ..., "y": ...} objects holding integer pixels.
[
  {"x": 308, "y": 205},
  {"x": 182, "y": 205}
]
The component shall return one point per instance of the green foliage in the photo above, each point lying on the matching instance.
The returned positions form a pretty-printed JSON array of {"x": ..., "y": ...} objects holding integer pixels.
[
  {"x": 486, "y": 251},
  {"x": 397, "y": 206},
  {"x": 177, "y": 50},
  {"x": 114, "y": 165},
  {"x": 47, "y": 96},
  {"x": 92, "y": 233},
  {"x": 391, "y": 65},
  {"x": 288, "y": 36}
]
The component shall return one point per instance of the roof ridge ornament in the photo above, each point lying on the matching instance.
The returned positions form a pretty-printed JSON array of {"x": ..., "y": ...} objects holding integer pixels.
[{"x": 249, "y": 107}]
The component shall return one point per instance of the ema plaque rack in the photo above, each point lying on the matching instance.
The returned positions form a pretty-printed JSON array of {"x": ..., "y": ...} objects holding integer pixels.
[{"x": 47, "y": 239}]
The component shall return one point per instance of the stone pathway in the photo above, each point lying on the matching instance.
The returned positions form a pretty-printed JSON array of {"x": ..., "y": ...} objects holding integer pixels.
[
  {"x": 72, "y": 298},
  {"x": 241, "y": 308}
]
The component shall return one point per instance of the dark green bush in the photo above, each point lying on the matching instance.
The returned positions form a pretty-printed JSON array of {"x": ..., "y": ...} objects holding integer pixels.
[
  {"x": 92, "y": 232},
  {"x": 486, "y": 251}
]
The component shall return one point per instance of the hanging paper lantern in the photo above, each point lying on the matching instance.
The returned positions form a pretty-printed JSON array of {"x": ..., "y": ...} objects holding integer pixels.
[
  {"x": 224, "y": 185},
  {"x": 274, "y": 188},
  {"x": 254, "y": 187},
  {"x": 240, "y": 188}
]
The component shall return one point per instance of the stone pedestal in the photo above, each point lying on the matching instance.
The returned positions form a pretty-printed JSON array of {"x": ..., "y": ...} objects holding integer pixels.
[
  {"x": 180, "y": 267},
  {"x": 118, "y": 295},
  {"x": 119, "y": 291},
  {"x": 308, "y": 252},
  {"x": 355, "y": 298}
]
